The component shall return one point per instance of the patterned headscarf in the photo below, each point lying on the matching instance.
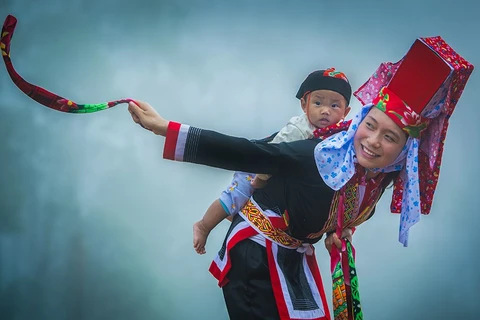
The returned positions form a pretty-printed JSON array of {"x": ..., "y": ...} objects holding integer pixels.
[{"x": 425, "y": 119}]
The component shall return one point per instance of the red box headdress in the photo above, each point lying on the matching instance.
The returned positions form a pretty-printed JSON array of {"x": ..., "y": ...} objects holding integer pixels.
[{"x": 419, "y": 93}]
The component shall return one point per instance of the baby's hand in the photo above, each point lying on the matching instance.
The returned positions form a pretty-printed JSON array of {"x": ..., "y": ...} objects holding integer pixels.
[{"x": 258, "y": 183}]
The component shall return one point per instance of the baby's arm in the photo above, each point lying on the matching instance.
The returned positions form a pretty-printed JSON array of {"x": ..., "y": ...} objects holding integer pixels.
[
  {"x": 238, "y": 193},
  {"x": 201, "y": 229},
  {"x": 230, "y": 201}
]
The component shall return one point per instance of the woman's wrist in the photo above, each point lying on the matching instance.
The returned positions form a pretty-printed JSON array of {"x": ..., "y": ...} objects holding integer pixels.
[{"x": 161, "y": 127}]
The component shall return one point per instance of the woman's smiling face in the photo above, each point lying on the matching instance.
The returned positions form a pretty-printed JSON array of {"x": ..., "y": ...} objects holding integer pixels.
[{"x": 378, "y": 140}]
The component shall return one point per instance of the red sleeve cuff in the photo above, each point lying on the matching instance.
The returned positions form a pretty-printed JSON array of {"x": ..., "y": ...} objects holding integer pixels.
[{"x": 171, "y": 140}]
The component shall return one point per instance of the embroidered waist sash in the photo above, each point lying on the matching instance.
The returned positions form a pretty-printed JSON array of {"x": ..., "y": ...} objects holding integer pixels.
[{"x": 299, "y": 294}]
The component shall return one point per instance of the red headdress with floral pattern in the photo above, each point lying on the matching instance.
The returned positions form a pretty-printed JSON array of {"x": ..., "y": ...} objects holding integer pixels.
[{"x": 419, "y": 93}]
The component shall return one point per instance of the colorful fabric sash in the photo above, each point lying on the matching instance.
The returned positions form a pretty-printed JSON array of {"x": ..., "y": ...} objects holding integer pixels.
[
  {"x": 346, "y": 297},
  {"x": 39, "y": 94}
]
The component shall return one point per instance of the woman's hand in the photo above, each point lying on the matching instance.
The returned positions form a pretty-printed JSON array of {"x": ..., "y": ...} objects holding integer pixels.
[
  {"x": 145, "y": 115},
  {"x": 333, "y": 239}
]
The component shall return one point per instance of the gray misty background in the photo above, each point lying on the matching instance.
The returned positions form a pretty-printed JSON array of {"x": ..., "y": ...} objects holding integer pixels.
[{"x": 95, "y": 225}]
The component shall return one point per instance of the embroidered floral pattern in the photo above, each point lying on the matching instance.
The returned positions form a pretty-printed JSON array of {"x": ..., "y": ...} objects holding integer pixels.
[
  {"x": 331, "y": 72},
  {"x": 383, "y": 99},
  {"x": 407, "y": 119},
  {"x": 412, "y": 121}
]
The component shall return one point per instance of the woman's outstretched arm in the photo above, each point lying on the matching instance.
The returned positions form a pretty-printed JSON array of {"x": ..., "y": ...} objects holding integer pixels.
[{"x": 191, "y": 144}]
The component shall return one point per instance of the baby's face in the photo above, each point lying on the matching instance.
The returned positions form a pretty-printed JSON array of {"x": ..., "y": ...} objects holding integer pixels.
[{"x": 324, "y": 107}]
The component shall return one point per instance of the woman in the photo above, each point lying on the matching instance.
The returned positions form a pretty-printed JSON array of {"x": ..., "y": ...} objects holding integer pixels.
[
  {"x": 267, "y": 255},
  {"x": 267, "y": 267}
]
